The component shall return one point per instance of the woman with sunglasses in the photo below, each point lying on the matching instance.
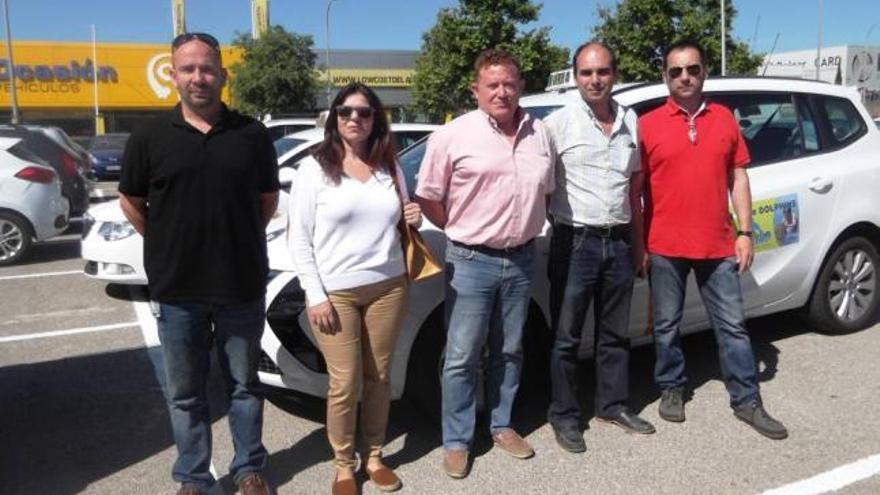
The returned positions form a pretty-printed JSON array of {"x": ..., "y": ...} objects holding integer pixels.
[{"x": 345, "y": 209}]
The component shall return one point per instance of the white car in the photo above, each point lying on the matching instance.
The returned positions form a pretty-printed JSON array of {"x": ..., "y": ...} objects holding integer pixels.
[
  {"x": 278, "y": 128},
  {"x": 113, "y": 250},
  {"x": 294, "y": 147},
  {"x": 814, "y": 178},
  {"x": 31, "y": 204}
]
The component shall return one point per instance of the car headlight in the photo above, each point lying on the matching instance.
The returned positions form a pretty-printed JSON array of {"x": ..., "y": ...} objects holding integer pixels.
[{"x": 114, "y": 231}]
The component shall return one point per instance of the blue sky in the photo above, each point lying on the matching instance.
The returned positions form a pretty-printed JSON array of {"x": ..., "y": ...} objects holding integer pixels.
[{"x": 399, "y": 24}]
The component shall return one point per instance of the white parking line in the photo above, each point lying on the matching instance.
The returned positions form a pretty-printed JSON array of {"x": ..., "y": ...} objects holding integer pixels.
[
  {"x": 36, "y": 275},
  {"x": 832, "y": 480},
  {"x": 73, "y": 331}
]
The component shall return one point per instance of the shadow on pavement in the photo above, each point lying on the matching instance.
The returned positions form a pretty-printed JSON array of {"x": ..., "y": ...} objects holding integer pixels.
[
  {"x": 71, "y": 422},
  {"x": 57, "y": 249}
]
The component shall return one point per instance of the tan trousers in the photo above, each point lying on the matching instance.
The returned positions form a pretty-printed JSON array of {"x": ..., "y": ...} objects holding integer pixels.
[{"x": 359, "y": 362}]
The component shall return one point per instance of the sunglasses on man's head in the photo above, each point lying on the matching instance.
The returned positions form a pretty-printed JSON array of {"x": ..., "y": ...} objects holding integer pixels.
[
  {"x": 203, "y": 37},
  {"x": 346, "y": 111},
  {"x": 692, "y": 70}
]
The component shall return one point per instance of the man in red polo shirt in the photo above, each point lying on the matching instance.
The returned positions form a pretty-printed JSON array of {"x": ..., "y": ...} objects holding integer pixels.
[{"x": 694, "y": 159}]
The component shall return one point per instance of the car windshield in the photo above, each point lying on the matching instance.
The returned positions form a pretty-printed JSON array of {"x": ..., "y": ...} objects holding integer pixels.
[
  {"x": 109, "y": 142},
  {"x": 284, "y": 145},
  {"x": 541, "y": 112}
]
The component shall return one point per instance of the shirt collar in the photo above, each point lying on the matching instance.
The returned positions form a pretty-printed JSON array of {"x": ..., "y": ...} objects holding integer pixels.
[
  {"x": 521, "y": 115},
  {"x": 178, "y": 120},
  {"x": 615, "y": 109},
  {"x": 673, "y": 108}
]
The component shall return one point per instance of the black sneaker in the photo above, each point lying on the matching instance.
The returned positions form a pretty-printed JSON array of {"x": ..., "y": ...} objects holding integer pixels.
[
  {"x": 629, "y": 421},
  {"x": 755, "y": 416},
  {"x": 570, "y": 439},
  {"x": 672, "y": 405}
]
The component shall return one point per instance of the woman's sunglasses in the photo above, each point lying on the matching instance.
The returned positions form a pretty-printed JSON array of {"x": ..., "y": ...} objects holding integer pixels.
[
  {"x": 346, "y": 111},
  {"x": 692, "y": 70}
]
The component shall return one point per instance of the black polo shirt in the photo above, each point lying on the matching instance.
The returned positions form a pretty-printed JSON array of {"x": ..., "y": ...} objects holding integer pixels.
[{"x": 205, "y": 240}]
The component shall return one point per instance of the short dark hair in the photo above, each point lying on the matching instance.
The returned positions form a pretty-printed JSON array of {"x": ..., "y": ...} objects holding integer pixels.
[
  {"x": 380, "y": 145},
  {"x": 495, "y": 56},
  {"x": 588, "y": 44},
  {"x": 211, "y": 41},
  {"x": 683, "y": 45}
]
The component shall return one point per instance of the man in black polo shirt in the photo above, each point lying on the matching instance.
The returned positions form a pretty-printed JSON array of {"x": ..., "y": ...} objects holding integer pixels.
[{"x": 200, "y": 184}]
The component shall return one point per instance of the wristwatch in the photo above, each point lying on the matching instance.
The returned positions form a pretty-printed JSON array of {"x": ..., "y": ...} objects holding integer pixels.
[{"x": 747, "y": 233}]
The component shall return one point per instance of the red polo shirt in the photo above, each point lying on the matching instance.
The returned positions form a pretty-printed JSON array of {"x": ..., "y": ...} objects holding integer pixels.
[{"x": 686, "y": 197}]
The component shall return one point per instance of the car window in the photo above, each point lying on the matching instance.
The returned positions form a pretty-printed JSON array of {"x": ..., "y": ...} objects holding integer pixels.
[
  {"x": 19, "y": 150},
  {"x": 405, "y": 139},
  {"x": 282, "y": 146},
  {"x": 541, "y": 112},
  {"x": 771, "y": 125},
  {"x": 294, "y": 160},
  {"x": 410, "y": 161},
  {"x": 109, "y": 142},
  {"x": 845, "y": 122}
]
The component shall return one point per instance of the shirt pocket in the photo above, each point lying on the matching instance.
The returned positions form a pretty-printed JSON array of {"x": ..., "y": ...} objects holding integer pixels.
[{"x": 624, "y": 155}]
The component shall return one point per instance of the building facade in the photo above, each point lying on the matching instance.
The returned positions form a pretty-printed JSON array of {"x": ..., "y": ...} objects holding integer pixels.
[{"x": 62, "y": 83}]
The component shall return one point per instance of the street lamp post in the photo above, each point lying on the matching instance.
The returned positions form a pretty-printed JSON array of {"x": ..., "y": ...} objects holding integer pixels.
[
  {"x": 870, "y": 30},
  {"x": 327, "y": 50},
  {"x": 723, "y": 42},
  {"x": 13, "y": 96},
  {"x": 819, "y": 42}
]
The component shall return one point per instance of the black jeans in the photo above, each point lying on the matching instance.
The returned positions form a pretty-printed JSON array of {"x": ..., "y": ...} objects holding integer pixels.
[{"x": 585, "y": 266}]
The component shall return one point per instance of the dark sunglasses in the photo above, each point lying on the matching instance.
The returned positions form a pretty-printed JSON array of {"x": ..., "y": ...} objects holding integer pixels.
[
  {"x": 692, "y": 70},
  {"x": 203, "y": 37},
  {"x": 345, "y": 111}
]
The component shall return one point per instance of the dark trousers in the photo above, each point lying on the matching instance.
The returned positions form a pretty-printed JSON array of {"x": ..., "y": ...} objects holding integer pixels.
[{"x": 587, "y": 267}]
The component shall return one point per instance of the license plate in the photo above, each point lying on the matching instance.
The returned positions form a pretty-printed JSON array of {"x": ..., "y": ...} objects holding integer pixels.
[{"x": 113, "y": 168}]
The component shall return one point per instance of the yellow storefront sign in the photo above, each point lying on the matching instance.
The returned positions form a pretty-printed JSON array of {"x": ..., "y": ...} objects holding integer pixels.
[
  {"x": 379, "y": 78},
  {"x": 60, "y": 75}
]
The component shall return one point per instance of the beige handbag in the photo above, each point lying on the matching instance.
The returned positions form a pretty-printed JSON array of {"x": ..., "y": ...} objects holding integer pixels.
[{"x": 420, "y": 262}]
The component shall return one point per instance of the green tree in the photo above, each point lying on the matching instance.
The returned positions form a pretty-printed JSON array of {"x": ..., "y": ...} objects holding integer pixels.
[
  {"x": 639, "y": 30},
  {"x": 276, "y": 73},
  {"x": 444, "y": 70}
]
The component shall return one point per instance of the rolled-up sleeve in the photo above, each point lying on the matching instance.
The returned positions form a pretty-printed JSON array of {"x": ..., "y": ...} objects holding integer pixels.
[{"x": 436, "y": 169}]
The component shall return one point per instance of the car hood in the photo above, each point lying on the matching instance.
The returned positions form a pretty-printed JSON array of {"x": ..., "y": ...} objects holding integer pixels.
[
  {"x": 105, "y": 154},
  {"x": 108, "y": 212}
]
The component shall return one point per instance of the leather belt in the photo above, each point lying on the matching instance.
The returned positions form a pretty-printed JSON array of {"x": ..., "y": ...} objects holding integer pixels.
[
  {"x": 480, "y": 248},
  {"x": 615, "y": 232}
]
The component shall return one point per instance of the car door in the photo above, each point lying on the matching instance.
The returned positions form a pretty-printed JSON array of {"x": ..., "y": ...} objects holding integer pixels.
[{"x": 793, "y": 192}]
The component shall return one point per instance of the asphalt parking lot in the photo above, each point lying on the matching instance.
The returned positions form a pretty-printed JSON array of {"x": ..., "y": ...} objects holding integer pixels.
[{"x": 81, "y": 411}]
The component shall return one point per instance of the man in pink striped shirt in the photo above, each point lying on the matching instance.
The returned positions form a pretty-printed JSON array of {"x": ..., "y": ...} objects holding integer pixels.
[{"x": 484, "y": 179}]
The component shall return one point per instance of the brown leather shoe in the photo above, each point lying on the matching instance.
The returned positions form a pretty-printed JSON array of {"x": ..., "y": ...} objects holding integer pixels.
[
  {"x": 253, "y": 484},
  {"x": 514, "y": 444},
  {"x": 384, "y": 479},
  {"x": 455, "y": 463},
  {"x": 346, "y": 486},
  {"x": 189, "y": 490}
]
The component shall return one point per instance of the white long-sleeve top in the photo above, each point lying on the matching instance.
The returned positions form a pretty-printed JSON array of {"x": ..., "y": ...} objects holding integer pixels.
[{"x": 343, "y": 235}]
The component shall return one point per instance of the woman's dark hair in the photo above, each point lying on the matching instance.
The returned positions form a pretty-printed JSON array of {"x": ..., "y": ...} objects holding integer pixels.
[{"x": 380, "y": 146}]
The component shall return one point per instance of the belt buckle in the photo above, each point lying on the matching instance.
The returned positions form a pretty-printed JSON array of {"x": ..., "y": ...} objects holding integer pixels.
[{"x": 604, "y": 231}]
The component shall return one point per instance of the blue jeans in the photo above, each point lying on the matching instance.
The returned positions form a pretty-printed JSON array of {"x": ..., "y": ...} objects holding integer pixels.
[
  {"x": 487, "y": 301},
  {"x": 584, "y": 267},
  {"x": 719, "y": 285},
  {"x": 185, "y": 330}
]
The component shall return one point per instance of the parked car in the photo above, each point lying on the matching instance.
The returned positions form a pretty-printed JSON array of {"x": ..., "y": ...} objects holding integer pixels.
[
  {"x": 814, "y": 177},
  {"x": 75, "y": 186},
  {"x": 293, "y": 148},
  {"x": 278, "y": 128},
  {"x": 113, "y": 250},
  {"x": 58, "y": 135},
  {"x": 31, "y": 205},
  {"x": 107, "y": 151}
]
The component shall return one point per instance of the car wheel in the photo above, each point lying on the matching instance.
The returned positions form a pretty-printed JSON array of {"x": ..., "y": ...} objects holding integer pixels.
[
  {"x": 845, "y": 297},
  {"x": 15, "y": 238}
]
